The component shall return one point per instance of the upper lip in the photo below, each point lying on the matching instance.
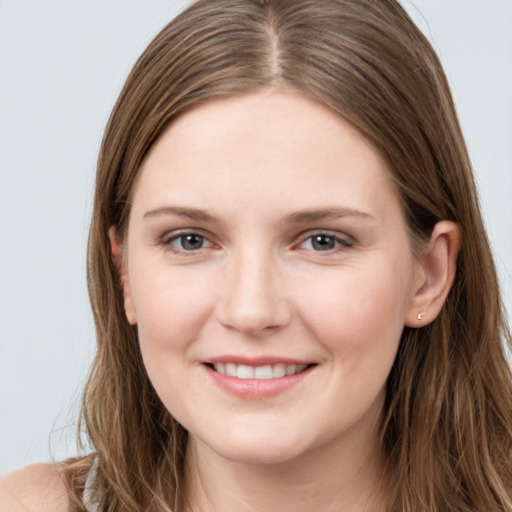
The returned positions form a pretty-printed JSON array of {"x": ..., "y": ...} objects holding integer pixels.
[{"x": 257, "y": 361}]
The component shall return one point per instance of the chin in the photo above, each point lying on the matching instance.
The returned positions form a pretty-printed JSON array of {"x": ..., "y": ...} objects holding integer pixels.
[
  {"x": 256, "y": 449},
  {"x": 260, "y": 455}
]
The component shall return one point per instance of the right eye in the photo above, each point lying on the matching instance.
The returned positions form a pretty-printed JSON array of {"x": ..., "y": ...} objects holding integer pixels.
[{"x": 186, "y": 242}]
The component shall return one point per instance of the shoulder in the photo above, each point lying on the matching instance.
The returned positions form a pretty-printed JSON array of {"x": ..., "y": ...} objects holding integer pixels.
[{"x": 37, "y": 488}]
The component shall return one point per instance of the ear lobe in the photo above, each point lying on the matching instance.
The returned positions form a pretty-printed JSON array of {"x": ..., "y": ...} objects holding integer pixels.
[
  {"x": 117, "y": 256},
  {"x": 435, "y": 275}
]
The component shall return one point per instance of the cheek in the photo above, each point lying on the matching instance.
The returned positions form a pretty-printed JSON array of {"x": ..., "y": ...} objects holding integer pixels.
[
  {"x": 171, "y": 308},
  {"x": 357, "y": 312}
]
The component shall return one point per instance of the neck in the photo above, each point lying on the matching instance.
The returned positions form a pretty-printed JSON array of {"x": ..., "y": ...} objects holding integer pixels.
[{"x": 345, "y": 474}]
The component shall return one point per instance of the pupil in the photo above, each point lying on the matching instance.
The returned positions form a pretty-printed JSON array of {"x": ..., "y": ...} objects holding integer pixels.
[
  {"x": 323, "y": 242},
  {"x": 191, "y": 242}
]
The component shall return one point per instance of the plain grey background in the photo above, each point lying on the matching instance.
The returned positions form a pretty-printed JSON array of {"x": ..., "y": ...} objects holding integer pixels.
[{"x": 62, "y": 64}]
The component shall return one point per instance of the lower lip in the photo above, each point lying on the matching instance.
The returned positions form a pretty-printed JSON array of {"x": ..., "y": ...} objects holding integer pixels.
[{"x": 256, "y": 388}]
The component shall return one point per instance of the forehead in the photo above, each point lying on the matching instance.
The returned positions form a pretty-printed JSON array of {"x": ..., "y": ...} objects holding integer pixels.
[{"x": 268, "y": 149}]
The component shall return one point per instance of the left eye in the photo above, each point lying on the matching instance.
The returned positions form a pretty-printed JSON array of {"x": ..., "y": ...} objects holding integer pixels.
[
  {"x": 188, "y": 242},
  {"x": 324, "y": 242}
]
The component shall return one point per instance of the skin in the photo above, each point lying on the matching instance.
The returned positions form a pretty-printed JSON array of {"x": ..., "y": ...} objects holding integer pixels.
[
  {"x": 242, "y": 176},
  {"x": 36, "y": 488},
  {"x": 255, "y": 283}
]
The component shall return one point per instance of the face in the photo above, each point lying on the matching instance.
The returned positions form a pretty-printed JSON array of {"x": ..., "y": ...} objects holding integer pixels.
[{"x": 268, "y": 268}]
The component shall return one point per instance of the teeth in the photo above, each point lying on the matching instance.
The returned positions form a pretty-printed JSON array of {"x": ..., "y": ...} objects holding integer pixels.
[
  {"x": 245, "y": 372},
  {"x": 274, "y": 371},
  {"x": 278, "y": 370},
  {"x": 263, "y": 372},
  {"x": 230, "y": 369},
  {"x": 290, "y": 369}
]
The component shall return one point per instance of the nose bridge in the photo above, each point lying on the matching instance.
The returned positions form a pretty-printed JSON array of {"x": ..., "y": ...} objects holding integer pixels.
[{"x": 253, "y": 298}]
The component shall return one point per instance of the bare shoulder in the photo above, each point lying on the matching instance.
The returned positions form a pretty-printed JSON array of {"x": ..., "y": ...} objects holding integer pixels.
[{"x": 37, "y": 488}]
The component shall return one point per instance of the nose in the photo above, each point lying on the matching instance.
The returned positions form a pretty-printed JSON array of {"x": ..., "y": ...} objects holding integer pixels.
[{"x": 253, "y": 300}]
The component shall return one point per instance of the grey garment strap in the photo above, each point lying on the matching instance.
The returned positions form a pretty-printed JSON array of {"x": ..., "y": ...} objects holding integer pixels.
[{"x": 89, "y": 500}]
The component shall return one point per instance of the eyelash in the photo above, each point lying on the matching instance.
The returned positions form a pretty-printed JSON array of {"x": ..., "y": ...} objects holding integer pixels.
[{"x": 340, "y": 243}]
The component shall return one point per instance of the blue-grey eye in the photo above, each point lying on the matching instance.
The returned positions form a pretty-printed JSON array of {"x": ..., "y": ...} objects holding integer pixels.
[
  {"x": 189, "y": 242},
  {"x": 323, "y": 242}
]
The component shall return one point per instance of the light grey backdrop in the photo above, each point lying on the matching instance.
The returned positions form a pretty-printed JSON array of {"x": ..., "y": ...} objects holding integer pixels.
[{"x": 62, "y": 64}]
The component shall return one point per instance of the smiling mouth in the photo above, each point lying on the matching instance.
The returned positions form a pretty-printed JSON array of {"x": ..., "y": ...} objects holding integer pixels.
[{"x": 269, "y": 371}]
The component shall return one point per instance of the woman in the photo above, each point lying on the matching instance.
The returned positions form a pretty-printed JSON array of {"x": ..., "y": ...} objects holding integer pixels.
[{"x": 295, "y": 300}]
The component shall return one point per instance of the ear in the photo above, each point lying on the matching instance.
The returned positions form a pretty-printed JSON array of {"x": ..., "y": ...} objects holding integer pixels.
[
  {"x": 435, "y": 274},
  {"x": 117, "y": 256}
]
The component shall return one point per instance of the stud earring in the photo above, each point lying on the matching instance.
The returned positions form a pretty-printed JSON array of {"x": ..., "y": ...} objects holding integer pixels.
[{"x": 420, "y": 316}]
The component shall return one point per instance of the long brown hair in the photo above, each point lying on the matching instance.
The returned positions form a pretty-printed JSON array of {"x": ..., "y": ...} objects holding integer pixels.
[{"x": 447, "y": 421}]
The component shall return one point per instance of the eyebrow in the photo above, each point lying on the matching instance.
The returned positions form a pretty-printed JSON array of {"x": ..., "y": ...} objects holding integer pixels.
[
  {"x": 298, "y": 217},
  {"x": 181, "y": 211},
  {"x": 326, "y": 213}
]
